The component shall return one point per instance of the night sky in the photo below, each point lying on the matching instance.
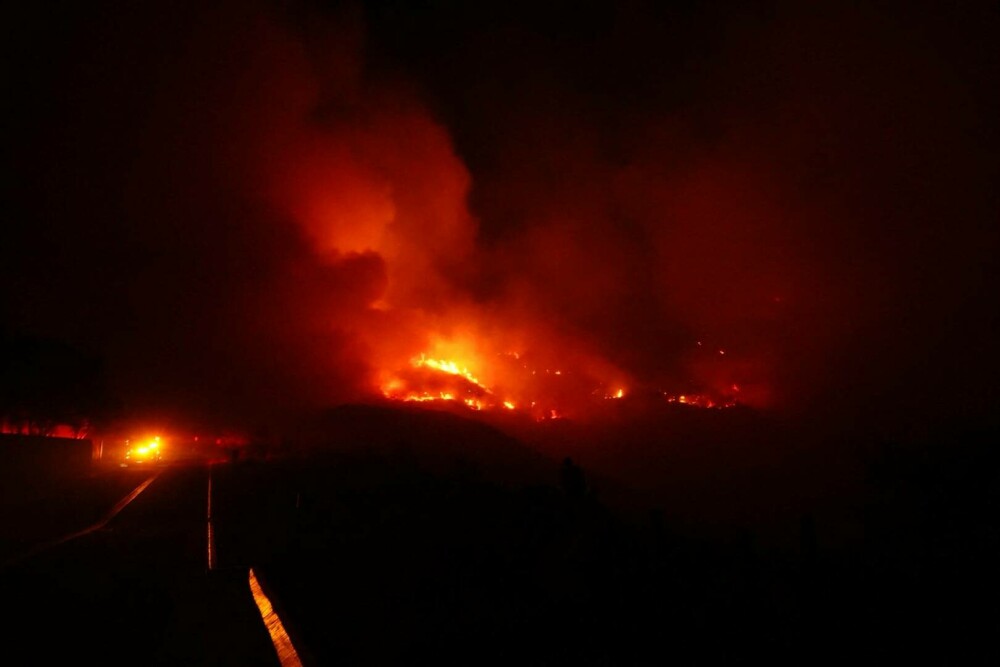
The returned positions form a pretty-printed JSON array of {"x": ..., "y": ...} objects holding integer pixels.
[{"x": 245, "y": 208}]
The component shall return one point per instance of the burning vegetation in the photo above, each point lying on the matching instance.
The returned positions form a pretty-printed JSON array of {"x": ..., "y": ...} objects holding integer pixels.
[
  {"x": 429, "y": 380},
  {"x": 327, "y": 206}
]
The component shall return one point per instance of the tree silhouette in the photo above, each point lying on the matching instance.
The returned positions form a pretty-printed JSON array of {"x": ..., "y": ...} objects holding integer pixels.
[{"x": 46, "y": 382}]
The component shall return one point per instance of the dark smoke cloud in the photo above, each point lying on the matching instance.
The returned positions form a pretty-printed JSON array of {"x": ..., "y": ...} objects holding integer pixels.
[
  {"x": 810, "y": 188},
  {"x": 251, "y": 210},
  {"x": 142, "y": 225},
  {"x": 217, "y": 200}
]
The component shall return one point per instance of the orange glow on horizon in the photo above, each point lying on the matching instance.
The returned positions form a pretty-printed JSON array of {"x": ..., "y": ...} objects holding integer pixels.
[{"x": 544, "y": 394}]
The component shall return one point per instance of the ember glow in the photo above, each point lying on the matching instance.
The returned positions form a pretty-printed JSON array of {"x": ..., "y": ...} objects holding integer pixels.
[
  {"x": 520, "y": 388},
  {"x": 700, "y": 401}
]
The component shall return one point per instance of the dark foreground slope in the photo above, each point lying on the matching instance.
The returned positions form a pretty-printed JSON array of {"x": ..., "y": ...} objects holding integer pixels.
[{"x": 401, "y": 543}]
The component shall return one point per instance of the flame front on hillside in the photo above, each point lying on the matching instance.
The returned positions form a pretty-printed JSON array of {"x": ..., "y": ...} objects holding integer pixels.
[{"x": 427, "y": 379}]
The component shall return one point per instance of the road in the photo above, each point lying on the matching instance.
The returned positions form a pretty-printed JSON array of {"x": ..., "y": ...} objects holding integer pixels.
[
  {"x": 399, "y": 556},
  {"x": 136, "y": 587}
]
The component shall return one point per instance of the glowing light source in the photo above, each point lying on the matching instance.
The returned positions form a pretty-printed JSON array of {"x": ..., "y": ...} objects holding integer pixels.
[
  {"x": 449, "y": 367},
  {"x": 455, "y": 376}
]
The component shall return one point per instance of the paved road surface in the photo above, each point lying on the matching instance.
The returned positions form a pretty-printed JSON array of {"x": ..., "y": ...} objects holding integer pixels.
[{"x": 136, "y": 590}]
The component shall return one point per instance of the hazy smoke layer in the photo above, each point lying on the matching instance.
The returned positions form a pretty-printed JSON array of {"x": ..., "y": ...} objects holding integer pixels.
[{"x": 253, "y": 211}]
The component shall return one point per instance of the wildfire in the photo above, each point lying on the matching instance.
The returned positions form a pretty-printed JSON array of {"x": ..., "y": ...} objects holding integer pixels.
[
  {"x": 431, "y": 378},
  {"x": 700, "y": 401},
  {"x": 449, "y": 367}
]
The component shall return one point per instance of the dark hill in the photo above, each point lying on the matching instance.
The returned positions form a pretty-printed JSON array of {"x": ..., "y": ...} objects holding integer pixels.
[{"x": 429, "y": 441}]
